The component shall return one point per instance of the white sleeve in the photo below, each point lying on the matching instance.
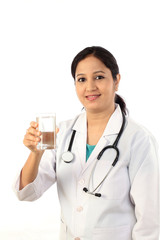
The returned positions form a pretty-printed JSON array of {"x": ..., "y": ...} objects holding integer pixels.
[
  {"x": 45, "y": 178},
  {"x": 145, "y": 188}
]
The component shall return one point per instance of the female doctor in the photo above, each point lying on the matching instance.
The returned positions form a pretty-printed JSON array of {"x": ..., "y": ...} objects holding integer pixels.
[{"x": 105, "y": 164}]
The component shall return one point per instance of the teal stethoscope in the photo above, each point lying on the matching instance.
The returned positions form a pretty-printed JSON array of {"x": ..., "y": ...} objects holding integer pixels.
[{"x": 68, "y": 157}]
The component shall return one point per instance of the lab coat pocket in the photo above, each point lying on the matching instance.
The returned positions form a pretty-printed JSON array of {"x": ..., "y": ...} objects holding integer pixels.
[
  {"x": 114, "y": 233},
  {"x": 63, "y": 231}
]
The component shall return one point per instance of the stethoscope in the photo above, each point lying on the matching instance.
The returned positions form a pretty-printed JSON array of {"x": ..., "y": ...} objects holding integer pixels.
[{"x": 68, "y": 157}]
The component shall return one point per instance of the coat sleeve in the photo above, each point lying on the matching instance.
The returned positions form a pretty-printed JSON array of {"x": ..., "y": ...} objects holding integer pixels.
[
  {"x": 145, "y": 188},
  {"x": 45, "y": 178}
]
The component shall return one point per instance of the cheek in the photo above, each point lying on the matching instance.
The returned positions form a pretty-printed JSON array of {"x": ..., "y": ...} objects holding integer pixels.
[
  {"x": 79, "y": 91},
  {"x": 108, "y": 89}
]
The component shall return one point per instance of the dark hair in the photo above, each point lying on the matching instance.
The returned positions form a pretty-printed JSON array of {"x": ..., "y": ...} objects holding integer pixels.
[{"x": 109, "y": 61}]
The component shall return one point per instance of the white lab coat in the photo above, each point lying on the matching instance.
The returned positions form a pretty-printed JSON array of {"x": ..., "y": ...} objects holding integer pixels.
[{"x": 129, "y": 206}]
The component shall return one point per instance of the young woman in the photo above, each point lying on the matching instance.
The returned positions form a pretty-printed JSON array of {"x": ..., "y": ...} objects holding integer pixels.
[{"x": 108, "y": 181}]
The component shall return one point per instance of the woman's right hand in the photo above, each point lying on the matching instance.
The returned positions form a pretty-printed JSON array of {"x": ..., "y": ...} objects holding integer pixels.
[{"x": 32, "y": 137}]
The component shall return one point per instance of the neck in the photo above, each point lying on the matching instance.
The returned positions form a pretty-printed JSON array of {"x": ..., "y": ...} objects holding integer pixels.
[
  {"x": 99, "y": 118},
  {"x": 96, "y": 123}
]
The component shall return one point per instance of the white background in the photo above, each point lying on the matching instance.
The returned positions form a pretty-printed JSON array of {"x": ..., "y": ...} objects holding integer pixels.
[{"x": 38, "y": 40}]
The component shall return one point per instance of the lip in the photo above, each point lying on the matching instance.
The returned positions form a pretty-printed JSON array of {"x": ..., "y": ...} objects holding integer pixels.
[{"x": 93, "y": 97}]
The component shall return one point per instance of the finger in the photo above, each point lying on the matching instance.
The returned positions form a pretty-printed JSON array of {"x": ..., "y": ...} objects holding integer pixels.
[
  {"x": 31, "y": 137},
  {"x": 29, "y": 144},
  {"x": 34, "y": 124},
  {"x": 33, "y": 131}
]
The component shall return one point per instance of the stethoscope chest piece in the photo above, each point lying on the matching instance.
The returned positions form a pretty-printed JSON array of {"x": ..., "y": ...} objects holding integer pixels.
[{"x": 67, "y": 157}]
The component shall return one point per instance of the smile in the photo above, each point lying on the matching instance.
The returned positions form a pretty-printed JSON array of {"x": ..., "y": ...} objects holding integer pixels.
[{"x": 92, "y": 97}]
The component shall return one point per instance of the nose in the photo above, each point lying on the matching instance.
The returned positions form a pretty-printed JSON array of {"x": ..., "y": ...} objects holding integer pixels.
[{"x": 91, "y": 86}]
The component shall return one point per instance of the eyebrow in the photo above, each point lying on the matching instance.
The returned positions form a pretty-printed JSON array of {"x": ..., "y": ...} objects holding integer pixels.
[
  {"x": 99, "y": 72},
  {"x": 93, "y": 73}
]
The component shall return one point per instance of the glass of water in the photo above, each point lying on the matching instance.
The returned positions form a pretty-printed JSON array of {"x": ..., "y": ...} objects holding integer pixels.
[{"x": 47, "y": 126}]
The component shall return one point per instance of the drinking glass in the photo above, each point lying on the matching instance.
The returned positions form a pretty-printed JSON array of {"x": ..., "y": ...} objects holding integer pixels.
[{"x": 47, "y": 126}]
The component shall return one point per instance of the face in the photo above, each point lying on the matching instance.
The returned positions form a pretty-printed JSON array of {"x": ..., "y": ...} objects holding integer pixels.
[{"x": 95, "y": 86}]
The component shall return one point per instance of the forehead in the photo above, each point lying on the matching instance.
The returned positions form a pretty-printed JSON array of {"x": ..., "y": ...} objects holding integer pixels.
[{"x": 90, "y": 63}]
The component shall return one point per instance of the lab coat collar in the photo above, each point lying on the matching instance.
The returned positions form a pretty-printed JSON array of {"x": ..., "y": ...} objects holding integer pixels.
[
  {"x": 114, "y": 123},
  {"x": 113, "y": 126}
]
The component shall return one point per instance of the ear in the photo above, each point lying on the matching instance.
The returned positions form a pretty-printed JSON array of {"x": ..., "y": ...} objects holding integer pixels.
[{"x": 117, "y": 81}]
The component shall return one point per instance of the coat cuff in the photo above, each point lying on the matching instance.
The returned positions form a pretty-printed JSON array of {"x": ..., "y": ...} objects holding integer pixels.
[{"x": 28, "y": 193}]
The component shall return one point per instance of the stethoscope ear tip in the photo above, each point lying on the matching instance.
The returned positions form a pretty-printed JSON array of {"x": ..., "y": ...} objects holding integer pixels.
[
  {"x": 98, "y": 194},
  {"x": 85, "y": 189}
]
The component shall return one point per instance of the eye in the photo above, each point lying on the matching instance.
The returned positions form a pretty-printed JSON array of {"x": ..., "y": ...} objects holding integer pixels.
[
  {"x": 99, "y": 77},
  {"x": 81, "y": 80}
]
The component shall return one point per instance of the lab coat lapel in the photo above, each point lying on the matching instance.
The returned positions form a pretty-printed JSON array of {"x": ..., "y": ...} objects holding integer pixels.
[{"x": 80, "y": 140}]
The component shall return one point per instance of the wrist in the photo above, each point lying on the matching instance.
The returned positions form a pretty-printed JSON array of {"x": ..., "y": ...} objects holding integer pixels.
[{"x": 37, "y": 154}]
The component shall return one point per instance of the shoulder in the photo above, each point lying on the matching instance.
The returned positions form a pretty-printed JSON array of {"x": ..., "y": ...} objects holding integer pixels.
[
  {"x": 65, "y": 127},
  {"x": 137, "y": 132},
  {"x": 68, "y": 124}
]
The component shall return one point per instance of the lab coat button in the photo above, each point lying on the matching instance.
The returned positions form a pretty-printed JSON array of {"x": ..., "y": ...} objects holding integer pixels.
[{"x": 79, "y": 209}]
